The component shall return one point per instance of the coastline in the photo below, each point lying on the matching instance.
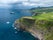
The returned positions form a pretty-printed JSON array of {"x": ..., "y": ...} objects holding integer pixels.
[
  {"x": 36, "y": 34},
  {"x": 38, "y": 26}
]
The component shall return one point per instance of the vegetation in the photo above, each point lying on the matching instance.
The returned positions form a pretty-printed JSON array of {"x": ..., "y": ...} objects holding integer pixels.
[
  {"x": 43, "y": 22},
  {"x": 42, "y": 9}
]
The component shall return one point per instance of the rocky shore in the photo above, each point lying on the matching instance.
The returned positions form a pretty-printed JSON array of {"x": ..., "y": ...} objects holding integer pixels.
[
  {"x": 21, "y": 26},
  {"x": 39, "y": 27}
]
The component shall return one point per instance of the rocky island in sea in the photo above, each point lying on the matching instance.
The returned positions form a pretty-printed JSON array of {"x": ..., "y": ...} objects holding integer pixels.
[{"x": 40, "y": 25}]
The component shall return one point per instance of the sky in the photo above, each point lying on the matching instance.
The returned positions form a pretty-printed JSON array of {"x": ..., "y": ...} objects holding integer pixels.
[{"x": 28, "y": 2}]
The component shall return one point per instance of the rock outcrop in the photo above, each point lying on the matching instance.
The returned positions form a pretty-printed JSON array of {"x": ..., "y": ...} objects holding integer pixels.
[{"x": 42, "y": 29}]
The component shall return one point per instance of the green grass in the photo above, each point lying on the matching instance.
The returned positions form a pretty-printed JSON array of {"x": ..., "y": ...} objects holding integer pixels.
[
  {"x": 44, "y": 16},
  {"x": 45, "y": 22},
  {"x": 43, "y": 10}
]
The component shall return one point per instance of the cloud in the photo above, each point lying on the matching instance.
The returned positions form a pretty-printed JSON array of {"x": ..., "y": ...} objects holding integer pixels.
[
  {"x": 42, "y": 2},
  {"x": 37, "y": 2},
  {"x": 7, "y": 1},
  {"x": 29, "y": 2}
]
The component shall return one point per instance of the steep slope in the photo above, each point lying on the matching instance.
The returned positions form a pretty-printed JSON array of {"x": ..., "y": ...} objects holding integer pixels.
[{"x": 40, "y": 26}]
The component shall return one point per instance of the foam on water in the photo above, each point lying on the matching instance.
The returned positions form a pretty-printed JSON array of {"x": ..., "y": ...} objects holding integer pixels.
[
  {"x": 15, "y": 28},
  {"x": 8, "y": 22}
]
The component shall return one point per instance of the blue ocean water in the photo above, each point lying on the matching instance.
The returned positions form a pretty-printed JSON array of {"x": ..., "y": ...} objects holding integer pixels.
[{"x": 7, "y": 32}]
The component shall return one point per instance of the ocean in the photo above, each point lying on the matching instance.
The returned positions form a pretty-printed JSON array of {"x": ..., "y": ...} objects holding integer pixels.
[{"x": 7, "y": 31}]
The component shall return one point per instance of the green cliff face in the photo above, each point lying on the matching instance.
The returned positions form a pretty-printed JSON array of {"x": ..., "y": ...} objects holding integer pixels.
[
  {"x": 45, "y": 23},
  {"x": 42, "y": 23}
]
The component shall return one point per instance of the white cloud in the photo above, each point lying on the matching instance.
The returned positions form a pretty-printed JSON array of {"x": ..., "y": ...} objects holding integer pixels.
[
  {"x": 22, "y": 0},
  {"x": 38, "y": 2},
  {"x": 29, "y": 2},
  {"x": 7, "y": 1}
]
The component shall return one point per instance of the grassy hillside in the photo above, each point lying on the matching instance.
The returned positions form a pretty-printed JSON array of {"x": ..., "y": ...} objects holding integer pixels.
[
  {"x": 42, "y": 22},
  {"x": 45, "y": 23},
  {"x": 42, "y": 9},
  {"x": 45, "y": 16}
]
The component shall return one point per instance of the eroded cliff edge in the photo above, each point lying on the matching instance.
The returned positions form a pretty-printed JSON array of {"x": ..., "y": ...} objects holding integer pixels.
[{"x": 40, "y": 26}]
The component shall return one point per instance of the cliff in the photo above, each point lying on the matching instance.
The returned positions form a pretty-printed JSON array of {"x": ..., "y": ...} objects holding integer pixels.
[{"x": 40, "y": 26}]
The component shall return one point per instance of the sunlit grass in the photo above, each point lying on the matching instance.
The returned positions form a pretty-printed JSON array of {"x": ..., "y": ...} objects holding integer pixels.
[
  {"x": 44, "y": 16},
  {"x": 45, "y": 21}
]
